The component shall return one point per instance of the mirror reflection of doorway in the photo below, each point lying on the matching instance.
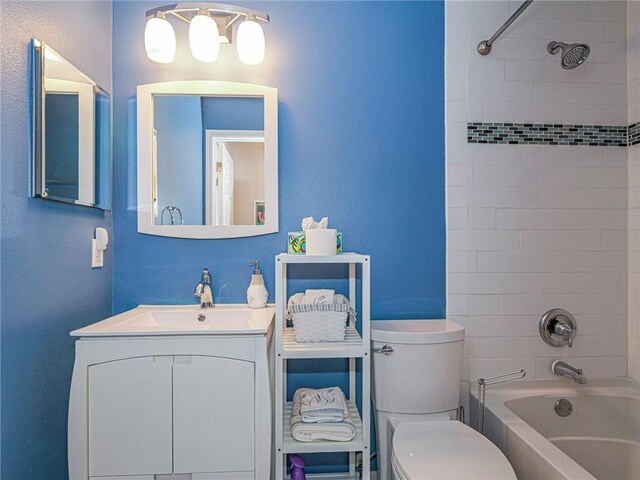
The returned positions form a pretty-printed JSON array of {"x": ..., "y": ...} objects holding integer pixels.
[
  {"x": 223, "y": 186},
  {"x": 234, "y": 173}
]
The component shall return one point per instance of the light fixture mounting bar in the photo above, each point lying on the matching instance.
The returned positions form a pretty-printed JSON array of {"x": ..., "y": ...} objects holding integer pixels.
[
  {"x": 214, "y": 9},
  {"x": 234, "y": 20},
  {"x": 179, "y": 16}
]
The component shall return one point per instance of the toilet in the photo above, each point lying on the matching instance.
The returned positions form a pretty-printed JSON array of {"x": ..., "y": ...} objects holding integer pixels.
[{"x": 417, "y": 366}]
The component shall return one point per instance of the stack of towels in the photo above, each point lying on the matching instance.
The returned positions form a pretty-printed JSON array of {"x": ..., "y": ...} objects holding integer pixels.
[
  {"x": 321, "y": 415},
  {"x": 316, "y": 297}
]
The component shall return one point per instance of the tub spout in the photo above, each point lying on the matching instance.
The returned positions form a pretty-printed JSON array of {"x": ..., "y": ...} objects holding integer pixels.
[{"x": 565, "y": 370}]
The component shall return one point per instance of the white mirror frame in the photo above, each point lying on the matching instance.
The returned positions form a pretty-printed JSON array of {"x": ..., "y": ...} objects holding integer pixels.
[{"x": 145, "y": 95}]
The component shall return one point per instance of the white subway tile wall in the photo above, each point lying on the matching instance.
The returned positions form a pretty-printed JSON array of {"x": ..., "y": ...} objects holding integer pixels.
[
  {"x": 536, "y": 227},
  {"x": 633, "y": 91}
]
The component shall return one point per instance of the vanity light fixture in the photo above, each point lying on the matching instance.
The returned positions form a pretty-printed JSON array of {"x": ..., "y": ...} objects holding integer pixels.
[
  {"x": 203, "y": 37},
  {"x": 250, "y": 42},
  {"x": 210, "y": 24},
  {"x": 160, "y": 39}
]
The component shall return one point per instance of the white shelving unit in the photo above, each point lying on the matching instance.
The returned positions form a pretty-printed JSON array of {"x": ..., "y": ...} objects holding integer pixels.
[{"x": 355, "y": 346}]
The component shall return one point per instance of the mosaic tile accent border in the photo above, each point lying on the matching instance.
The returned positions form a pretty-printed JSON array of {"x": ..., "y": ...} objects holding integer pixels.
[
  {"x": 550, "y": 134},
  {"x": 634, "y": 133}
]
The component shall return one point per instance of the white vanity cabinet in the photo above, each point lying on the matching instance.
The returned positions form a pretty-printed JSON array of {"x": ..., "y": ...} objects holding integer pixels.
[{"x": 192, "y": 407}]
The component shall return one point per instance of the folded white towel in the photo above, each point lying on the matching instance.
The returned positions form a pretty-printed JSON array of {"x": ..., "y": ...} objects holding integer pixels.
[
  {"x": 298, "y": 299},
  {"x": 343, "y": 431},
  {"x": 323, "y": 405},
  {"x": 319, "y": 296}
]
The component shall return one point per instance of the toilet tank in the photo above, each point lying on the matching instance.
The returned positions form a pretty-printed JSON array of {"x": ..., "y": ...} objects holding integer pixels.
[{"x": 422, "y": 374}]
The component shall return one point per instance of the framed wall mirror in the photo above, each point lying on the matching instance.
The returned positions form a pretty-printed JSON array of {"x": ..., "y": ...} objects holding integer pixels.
[
  {"x": 207, "y": 159},
  {"x": 71, "y": 133}
]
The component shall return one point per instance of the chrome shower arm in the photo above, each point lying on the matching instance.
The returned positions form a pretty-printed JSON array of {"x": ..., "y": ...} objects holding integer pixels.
[{"x": 484, "y": 47}]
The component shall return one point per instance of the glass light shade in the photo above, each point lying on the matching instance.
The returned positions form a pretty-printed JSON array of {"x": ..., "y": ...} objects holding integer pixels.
[
  {"x": 160, "y": 40},
  {"x": 204, "y": 38},
  {"x": 250, "y": 39}
]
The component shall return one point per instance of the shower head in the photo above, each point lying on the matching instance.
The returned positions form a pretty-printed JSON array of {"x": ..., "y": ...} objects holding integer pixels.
[{"x": 573, "y": 54}]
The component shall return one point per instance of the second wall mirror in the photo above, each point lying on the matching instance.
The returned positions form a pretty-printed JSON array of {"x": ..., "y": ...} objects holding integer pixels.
[
  {"x": 207, "y": 159},
  {"x": 71, "y": 133}
]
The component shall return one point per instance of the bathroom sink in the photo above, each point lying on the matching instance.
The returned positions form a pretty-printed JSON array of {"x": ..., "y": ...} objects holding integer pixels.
[{"x": 183, "y": 320}]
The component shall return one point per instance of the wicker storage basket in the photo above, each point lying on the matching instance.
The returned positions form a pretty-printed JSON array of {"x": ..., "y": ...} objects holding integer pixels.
[{"x": 324, "y": 322}]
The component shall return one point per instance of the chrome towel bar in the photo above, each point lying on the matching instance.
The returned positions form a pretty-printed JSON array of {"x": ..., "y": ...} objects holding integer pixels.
[{"x": 482, "y": 387}]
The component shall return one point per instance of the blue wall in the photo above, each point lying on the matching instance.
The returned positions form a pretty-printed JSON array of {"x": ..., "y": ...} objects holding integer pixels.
[
  {"x": 178, "y": 120},
  {"x": 228, "y": 113},
  {"x": 48, "y": 286},
  {"x": 361, "y": 141}
]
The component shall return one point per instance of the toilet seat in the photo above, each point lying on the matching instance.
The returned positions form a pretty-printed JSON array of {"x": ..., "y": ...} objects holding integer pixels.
[{"x": 446, "y": 450}]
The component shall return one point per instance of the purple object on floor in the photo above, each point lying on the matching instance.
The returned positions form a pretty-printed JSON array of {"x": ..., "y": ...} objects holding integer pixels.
[{"x": 297, "y": 467}]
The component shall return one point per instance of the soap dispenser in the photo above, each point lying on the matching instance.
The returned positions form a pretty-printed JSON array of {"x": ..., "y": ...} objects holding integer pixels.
[{"x": 257, "y": 293}]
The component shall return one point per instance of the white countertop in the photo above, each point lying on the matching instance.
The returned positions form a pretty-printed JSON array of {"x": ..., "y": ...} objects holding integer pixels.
[{"x": 148, "y": 320}]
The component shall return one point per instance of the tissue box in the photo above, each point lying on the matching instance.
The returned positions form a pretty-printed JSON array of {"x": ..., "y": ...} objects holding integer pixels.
[{"x": 297, "y": 243}]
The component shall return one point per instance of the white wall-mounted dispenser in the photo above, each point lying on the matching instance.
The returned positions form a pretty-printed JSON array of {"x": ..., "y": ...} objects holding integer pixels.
[{"x": 98, "y": 246}]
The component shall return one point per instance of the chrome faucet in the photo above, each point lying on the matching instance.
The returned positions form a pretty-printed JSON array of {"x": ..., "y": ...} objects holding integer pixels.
[
  {"x": 565, "y": 370},
  {"x": 203, "y": 290}
]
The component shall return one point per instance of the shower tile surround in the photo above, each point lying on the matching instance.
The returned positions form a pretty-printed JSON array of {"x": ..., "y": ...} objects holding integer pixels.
[
  {"x": 634, "y": 133},
  {"x": 536, "y": 226},
  {"x": 633, "y": 92},
  {"x": 550, "y": 134}
]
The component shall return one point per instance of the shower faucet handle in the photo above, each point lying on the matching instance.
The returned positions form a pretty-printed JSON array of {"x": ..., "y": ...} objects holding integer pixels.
[
  {"x": 564, "y": 330},
  {"x": 558, "y": 328}
]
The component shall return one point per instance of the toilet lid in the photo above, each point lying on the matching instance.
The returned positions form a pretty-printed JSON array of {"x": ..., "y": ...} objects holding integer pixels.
[{"x": 447, "y": 450}]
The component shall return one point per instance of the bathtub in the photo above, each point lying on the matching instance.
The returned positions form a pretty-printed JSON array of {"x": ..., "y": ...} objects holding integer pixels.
[{"x": 599, "y": 439}]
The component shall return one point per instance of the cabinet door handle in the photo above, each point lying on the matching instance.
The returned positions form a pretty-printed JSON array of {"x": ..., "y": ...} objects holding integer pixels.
[
  {"x": 386, "y": 350},
  {"x": 182, "y": 359}
]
